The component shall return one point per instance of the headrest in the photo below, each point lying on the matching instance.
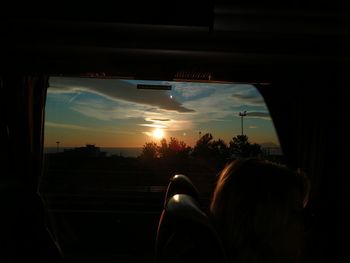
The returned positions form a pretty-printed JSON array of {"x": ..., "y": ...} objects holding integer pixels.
[
  {"x": 192, "y": 228},
  {"x": 185, "y": 207},
  {"x": 181, "y": 184}
]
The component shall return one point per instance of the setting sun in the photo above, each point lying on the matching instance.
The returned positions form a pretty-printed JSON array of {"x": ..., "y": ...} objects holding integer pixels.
[{"x": 158, "y": 133}]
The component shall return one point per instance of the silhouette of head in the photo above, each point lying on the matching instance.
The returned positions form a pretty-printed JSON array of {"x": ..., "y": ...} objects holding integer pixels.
[{"x": 256, "y": 207}]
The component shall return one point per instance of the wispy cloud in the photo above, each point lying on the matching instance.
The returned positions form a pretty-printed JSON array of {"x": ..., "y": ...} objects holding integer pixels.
[
  {"x": 102, "y": 111},
  {"x": 175, "y": 124},
  {"x": 208, "y": 108},
  {"x": 218, "y": 106},
  {"x": 153, "y": 125},
  {"x": 65, "y": 126},
  {"x": 192, "y": 90},
  {"x": 74, "y": 97},
  {"x": 148, "y": 133},
  {"x": 196, "y": 106},
  {"x": 249, "y": 96},
  {"x": 156, "y": 118},
  {"x": 84, "y": 128},
  {"x": 117, "y": 90},
  {"x": 252, "y": 127},
  {"x": 159, "y": 119},
  {"x": 261, "y": 115}
]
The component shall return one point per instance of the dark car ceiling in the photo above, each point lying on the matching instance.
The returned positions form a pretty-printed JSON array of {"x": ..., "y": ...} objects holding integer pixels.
[{"x": 235, "y": 42}]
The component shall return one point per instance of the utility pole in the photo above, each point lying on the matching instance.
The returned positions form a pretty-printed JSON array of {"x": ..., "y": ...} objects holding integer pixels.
[{"x": 242, "y": 115}]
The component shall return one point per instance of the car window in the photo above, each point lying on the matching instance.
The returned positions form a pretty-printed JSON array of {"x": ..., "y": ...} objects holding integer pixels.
[{"x": 111, "y": 146}]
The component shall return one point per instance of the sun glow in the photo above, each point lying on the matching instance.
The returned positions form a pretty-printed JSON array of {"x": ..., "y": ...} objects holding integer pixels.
[{"x": 158, "y": 134}]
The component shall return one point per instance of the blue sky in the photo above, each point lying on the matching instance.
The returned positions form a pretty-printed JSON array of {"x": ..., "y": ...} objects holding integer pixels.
[{"x": 114, "y": 113}]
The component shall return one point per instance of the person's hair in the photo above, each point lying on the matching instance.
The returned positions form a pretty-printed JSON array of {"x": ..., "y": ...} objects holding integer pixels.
[{"x": 256, "y": 208}]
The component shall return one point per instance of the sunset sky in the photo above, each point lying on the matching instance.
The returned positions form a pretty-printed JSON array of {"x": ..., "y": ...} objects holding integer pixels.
[{"x": 114, "y": 113}]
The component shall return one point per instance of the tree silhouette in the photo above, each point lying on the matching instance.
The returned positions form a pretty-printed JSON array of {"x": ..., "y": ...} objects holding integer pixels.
[
  {"x": 203, "y": 146},
  {"x": 206, "y": 148},
  {"x": 163, "y": 149},
  {"x": 220, "y": 150},
  {"x": 241, "y": 147},
  {"x": 149, "y": 151},
  {"x": 178, "y": 147},
  {"x": 173, "y": 149}
]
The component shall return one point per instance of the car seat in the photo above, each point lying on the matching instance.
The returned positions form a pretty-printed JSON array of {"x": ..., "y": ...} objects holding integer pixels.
[{"x": 185, "y": 233}]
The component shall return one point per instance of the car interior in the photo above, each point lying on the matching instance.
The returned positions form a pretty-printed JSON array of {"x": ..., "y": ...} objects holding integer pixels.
[{"x": 295, "y": 55}]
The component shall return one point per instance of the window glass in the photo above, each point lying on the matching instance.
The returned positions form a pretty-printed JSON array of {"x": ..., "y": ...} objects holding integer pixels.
[{"x": 111, "y": 146}]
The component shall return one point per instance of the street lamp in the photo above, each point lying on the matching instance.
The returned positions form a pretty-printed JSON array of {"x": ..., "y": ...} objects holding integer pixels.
[{"x": 242, "y": 114}]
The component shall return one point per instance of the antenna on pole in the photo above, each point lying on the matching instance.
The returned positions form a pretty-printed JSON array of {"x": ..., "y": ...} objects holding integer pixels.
[{"x": 242, "y": 115}]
